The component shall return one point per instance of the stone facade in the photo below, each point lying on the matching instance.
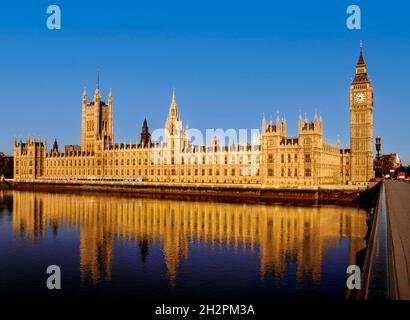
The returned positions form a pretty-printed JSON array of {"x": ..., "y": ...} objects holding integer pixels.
[{"x": 272, "y": 158}]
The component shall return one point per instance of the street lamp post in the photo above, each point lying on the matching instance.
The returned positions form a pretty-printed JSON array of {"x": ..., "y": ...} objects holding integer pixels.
[{"x": 378, "y": 162}]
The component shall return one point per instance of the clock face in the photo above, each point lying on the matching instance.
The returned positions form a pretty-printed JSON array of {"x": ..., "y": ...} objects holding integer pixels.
[{"x": 360, "y": 97}]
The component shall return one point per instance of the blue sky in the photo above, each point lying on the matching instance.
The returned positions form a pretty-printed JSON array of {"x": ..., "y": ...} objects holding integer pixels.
[{"x": 229, "y": 61}]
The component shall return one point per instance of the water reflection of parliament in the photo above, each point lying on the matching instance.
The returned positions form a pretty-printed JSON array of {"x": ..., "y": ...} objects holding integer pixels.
[{"x": 274, "y": 232}]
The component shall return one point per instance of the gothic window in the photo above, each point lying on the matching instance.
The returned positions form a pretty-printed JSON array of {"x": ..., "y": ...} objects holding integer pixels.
[
  {"x": 308, "y": 172},
  {"x": 270, "y": 172}
]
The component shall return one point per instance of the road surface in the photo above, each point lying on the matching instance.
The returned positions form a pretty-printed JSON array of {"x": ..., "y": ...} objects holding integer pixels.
[{"x": 398, "y": 208}]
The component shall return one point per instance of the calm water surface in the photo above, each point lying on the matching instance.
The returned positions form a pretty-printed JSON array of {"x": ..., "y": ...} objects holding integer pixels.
[{"x": 117, "y": 247}]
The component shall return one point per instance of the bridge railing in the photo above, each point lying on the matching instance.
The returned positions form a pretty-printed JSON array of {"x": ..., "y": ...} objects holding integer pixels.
[{"x": 378, "y": 277}]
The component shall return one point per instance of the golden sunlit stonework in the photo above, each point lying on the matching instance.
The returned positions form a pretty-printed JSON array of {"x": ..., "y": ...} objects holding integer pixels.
[{"x": 272, "y": 158}]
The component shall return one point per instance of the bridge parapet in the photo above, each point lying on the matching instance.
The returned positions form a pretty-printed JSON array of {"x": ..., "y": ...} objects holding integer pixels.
[{"x": 386, "y": 272}]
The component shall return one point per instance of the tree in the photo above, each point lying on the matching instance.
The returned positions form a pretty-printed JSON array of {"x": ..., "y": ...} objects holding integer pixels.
[{"x": 6, "y": 166}]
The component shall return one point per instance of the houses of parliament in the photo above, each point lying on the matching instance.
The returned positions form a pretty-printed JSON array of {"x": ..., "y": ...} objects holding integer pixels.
[{"x": 272, "y": 159}]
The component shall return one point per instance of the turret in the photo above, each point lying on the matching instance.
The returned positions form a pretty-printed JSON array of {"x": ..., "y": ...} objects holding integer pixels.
[
  {"x": 270, "y": 124},
  {"x": 110, "y": 116},
  {"x": 283, "y": 127},
  {"x": 263, "y": 124},
  {"x": 173, "y": 121},
  {"x": 145, "y": 135},
  {"x": 55, "y": 147},
  {"x": 85, "y": 97}
]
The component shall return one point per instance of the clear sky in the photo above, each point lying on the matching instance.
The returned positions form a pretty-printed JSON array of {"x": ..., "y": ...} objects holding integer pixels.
[{"x": 229, "y": 61}]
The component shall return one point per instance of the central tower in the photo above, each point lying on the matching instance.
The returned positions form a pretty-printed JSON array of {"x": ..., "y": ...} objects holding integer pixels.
[
  {"x": 361, "y": 124},
  {"x": 96, "y": 125}
]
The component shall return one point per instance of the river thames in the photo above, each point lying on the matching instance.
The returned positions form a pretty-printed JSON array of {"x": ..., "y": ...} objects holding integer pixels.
[{"x": 110, "y": 246}]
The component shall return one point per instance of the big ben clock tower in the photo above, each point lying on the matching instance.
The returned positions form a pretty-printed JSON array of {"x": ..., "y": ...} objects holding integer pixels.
[{"x": 361, "y": 124}]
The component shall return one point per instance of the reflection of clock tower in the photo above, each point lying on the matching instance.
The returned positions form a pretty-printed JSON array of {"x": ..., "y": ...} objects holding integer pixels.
[{"x": 361, "y": 124}]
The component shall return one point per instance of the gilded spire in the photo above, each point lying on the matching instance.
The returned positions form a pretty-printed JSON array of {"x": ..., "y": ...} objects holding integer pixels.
[{"x": 360, "y": 61}]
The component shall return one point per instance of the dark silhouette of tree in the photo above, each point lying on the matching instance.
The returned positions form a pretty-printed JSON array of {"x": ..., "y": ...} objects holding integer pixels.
[{"x": 6, "y": 166}]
